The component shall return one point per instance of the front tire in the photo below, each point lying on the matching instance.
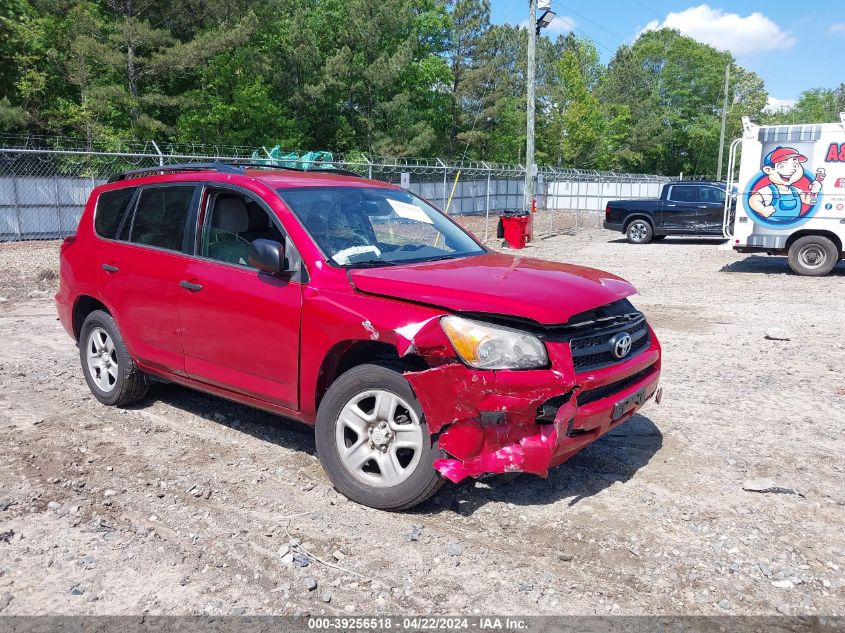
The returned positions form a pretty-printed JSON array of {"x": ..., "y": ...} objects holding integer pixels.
[
  {"x": 111, "y": 374},
  {"x": 639, "y": 232},
  {"x": 813, "y": 256},
  {"x": 373, "y": 441}
]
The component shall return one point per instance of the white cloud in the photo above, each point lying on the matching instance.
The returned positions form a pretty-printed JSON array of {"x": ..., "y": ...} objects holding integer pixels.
[
  {"x": 838, "y": 28},
  {"x": 773, "y": 104},
  {"x": 742, "y": 36},
  {"x": 562, "y": 24}
]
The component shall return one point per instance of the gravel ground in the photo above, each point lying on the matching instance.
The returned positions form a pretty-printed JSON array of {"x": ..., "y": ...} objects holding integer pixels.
[{"x": 190, "y": 504}]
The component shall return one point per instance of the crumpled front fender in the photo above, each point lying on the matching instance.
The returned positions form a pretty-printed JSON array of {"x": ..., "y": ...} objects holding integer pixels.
[{"x": 487, "y": 420}]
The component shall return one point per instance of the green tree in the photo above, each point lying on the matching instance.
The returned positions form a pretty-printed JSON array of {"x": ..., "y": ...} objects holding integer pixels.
[
  {"x": 12, "y": 14},
  {"x": 470, "y": 21},
  {"x": 671, "y": 87},
  {"x": 818, "y": 105},
  {"x": 377, "y": 88},
  {"x": 572, "y": 126}
]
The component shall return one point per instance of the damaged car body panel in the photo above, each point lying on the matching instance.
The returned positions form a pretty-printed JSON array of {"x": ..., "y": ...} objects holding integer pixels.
[
  {"x": 485, "y": 421},
  {"x": 495, "y": 283},
  {"x": 526, "y": 421}
]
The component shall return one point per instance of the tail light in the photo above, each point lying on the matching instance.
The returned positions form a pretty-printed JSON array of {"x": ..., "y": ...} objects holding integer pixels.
[{"x": 607, "y": 212}]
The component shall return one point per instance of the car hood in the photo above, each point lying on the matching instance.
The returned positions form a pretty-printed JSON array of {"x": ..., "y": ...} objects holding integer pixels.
[{"x": 542, "y": 291}]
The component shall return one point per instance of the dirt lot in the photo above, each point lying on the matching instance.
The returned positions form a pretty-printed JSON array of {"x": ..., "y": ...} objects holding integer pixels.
[{"x": 191, "y": 504}]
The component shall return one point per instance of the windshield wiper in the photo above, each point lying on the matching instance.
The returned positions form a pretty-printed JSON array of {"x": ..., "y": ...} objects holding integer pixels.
[
  {"x": 370, "y": 263},
  {"x": 437, "y": 258}
]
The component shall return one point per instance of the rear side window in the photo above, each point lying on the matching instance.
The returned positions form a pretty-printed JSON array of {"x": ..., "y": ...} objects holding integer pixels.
[
  {"x": 111, "y": 207},
  {"x": 683, "y": 193},
  {"x": 160, "y": 216}
]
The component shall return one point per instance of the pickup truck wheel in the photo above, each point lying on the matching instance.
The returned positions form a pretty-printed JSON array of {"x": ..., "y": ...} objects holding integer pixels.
[
  {"x": 639, "y": 232},
  {"x": 373, "y": 441},
  {"x": 813, "y": 256},
  {"x": 111, "y": 374}
]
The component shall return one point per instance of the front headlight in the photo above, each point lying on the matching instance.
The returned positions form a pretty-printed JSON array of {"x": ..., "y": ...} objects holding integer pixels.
[{"x": 486, "y": 346}]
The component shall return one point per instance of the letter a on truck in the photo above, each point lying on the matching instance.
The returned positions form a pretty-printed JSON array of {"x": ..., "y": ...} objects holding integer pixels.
[{"x": 791, "y": 194}]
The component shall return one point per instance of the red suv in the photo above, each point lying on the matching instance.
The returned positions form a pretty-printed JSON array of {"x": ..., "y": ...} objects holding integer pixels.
[{"x": 354, "y": 306}]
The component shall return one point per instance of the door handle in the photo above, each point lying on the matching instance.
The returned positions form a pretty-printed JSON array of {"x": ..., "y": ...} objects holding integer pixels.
[
  {"x": 109, "y": 268},
  {"x": 187, "y": 285}
]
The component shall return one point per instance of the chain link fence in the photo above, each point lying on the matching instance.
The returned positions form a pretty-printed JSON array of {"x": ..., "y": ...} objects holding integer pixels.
[{"x": 43, "y": 190}]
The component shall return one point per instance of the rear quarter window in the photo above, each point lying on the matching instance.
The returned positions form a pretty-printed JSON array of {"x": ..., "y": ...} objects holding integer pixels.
[
  {"x": 161, "y": 215},
  {"x": 111, "y": 207}
]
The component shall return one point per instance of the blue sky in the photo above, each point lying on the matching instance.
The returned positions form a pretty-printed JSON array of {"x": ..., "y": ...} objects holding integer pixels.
[{"x": 792, "y": 45}]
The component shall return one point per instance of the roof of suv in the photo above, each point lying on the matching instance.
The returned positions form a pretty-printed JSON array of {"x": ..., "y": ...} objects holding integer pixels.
[
  {"x": 275, "y": 177},
  {"x": 320, "y": 178}
]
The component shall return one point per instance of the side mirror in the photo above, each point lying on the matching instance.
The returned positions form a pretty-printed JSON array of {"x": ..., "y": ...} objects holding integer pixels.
[{"x": 269, "y": 257}]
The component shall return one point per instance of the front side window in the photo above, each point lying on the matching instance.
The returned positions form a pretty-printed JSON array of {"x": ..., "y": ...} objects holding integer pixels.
[
  {"x": 684, "y": 193},
  {"x": 712, "y": 195},
  {"x": 160, "y": 216},
  {"x": 231, "y": 223},
  {"x": 367, "y": 226},
  {"x": 111, "y": 206}
]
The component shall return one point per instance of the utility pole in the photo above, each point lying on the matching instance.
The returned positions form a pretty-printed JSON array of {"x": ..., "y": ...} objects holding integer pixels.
[
  {"x": 529, "y": 146},
  {"x": 724, "y": 121}
]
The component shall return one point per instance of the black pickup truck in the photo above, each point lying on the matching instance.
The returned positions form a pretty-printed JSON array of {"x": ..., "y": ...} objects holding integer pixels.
[{"x": 685, "y": 207}]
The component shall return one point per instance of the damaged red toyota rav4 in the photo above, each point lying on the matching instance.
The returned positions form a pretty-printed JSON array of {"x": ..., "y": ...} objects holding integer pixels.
[{"x": 356, "y": 307}]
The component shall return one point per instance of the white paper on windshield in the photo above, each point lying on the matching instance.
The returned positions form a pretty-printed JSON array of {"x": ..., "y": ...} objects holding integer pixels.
[
  {"x": 409, "y": 211},
  {"x": 343, "y": 257}
]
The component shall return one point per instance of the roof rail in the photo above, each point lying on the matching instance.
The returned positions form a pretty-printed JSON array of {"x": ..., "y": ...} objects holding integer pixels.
[
  {"x": 227, "y": 167},
  {"x": 137, "y": 173}
]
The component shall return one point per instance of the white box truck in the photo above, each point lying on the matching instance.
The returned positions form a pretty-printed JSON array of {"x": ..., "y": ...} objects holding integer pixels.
[{"x": 790, "y": 194}]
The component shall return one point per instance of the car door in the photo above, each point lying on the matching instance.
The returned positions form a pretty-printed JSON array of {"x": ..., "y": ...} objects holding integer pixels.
[
  {"x": 240, "y": 326},
  {"x": 140, "y": 271},
  {"x": 680, "y": 209},
  {"x": 711, "y": 209}
]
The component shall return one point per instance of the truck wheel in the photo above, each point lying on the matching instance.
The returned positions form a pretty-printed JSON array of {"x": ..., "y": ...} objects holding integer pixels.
[
  {"x": 639, "y": 232},
  {"x": 373, "y": 441},
  {"x": 111, "y": 374},
  {"x": 813, "y": 256}
]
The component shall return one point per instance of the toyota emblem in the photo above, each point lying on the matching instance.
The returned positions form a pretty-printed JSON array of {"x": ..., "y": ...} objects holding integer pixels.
[{"x": 620, "y": 345}]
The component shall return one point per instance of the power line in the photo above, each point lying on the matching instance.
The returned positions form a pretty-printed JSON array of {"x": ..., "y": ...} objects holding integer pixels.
[
  {"x": 595, "y": 41},
  {"x": 650, "y": 10},
  {"x": 603, "y": 28}
]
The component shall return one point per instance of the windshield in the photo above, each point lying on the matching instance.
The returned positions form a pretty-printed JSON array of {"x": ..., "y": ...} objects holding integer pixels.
[{"x": 371, "y": 226}]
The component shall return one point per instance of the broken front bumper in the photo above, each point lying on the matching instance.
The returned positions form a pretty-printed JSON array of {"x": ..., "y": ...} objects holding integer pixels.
[{"x": 528, "y": 421}]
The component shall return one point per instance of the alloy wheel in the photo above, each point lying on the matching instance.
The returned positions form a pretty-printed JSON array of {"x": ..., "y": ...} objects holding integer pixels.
[
  {"x": 379, "y": 438},
  {"x": 102, "y": 359}
]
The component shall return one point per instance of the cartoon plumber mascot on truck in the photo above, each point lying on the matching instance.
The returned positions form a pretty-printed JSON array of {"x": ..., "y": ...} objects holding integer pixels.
[{"x": 784, "y": 193}]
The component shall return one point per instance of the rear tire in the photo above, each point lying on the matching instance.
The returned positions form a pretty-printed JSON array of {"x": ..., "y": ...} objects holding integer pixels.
[
  {"x": 639, "y": 231},
  {"x": 373, "y": 441},
  {"x": 111, "y": 373},
  {"x": 813, "y": 256}
]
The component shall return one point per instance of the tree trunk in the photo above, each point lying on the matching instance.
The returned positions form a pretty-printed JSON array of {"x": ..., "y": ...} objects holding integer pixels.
[{"x": 131, "y": 70}]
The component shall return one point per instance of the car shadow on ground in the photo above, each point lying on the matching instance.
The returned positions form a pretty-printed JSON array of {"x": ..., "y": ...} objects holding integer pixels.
[
  {"x": 676, "y": 241},
  {"x": 265, "y": 426},
  {"x": 763, "y": 264},
  {"x": 613, "y": 458}
]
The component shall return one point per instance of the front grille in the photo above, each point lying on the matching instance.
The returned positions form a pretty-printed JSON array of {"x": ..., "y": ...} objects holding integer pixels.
[{"x": 593, "y": 349}]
